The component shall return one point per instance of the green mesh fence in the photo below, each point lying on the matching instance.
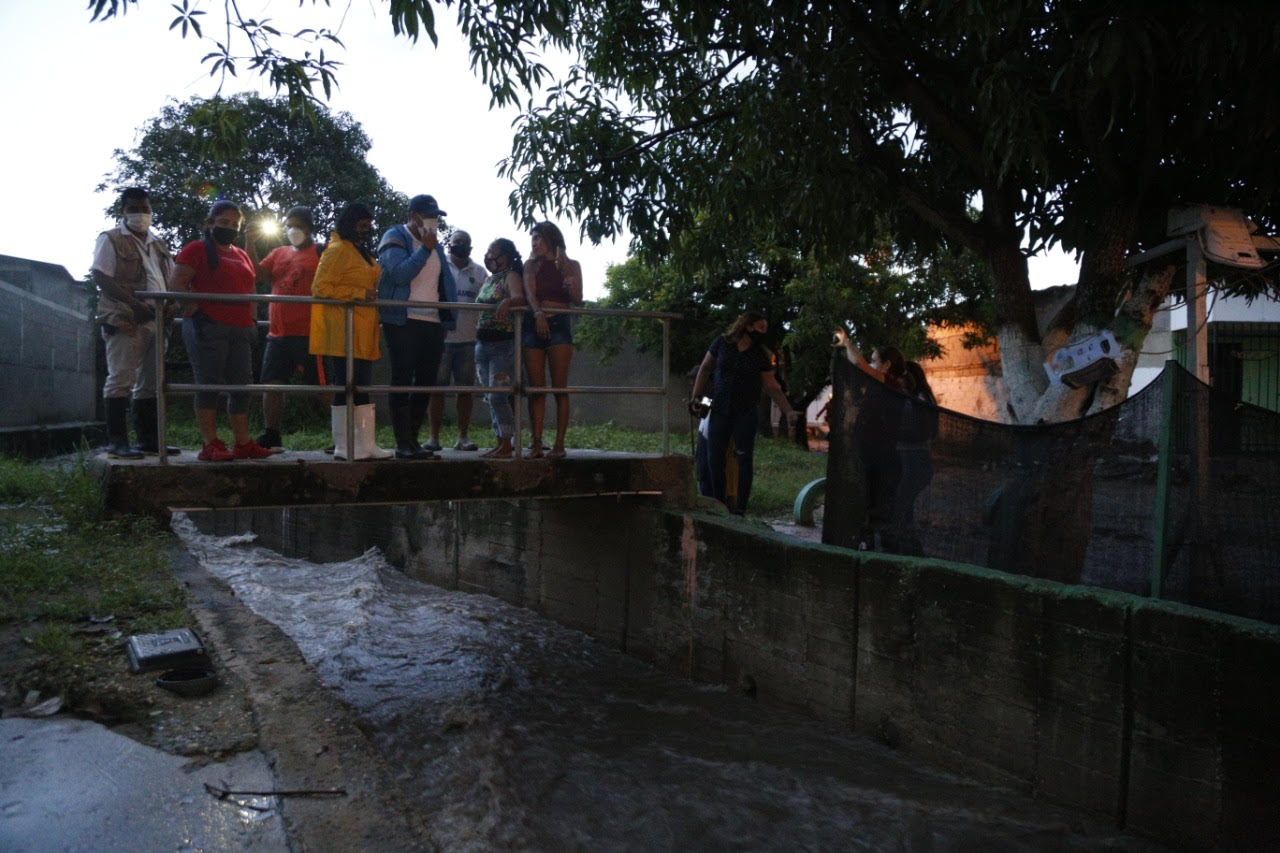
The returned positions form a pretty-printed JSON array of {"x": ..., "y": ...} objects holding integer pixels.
[{"x": 1175, "y": 493}]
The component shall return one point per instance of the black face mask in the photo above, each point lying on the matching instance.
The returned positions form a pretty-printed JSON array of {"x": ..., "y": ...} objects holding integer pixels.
[
  {"x": 460, "y": 251},
  {"x": 756, "y": 335},
  {"x": 223, "y": 236}
]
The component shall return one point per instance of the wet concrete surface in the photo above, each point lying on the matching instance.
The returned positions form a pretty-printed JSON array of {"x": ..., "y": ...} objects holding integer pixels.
[{"x": 68, "y": 784}]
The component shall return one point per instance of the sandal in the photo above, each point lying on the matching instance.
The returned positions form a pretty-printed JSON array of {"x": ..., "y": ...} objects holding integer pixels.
[
  {"x": 533, "y": 453},
  {"x": 498, "y": 452},
  {"x": 556, "y": 453}
]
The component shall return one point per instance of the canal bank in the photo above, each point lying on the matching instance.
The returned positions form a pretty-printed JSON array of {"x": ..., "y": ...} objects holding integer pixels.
[{"x": 1154, "y": 717}]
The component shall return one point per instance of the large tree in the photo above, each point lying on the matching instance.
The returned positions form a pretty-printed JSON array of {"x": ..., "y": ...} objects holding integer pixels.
[
  {"x": 257, "y": 152},
  {"x": 699, "y": 123},
  {"x": 707, "y": 126}
]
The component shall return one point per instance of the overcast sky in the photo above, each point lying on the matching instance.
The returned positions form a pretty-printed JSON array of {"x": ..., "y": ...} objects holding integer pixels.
[{"x": 74, "y": 92}]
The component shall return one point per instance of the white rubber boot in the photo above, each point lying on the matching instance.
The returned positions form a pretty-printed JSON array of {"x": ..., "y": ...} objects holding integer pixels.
[
  {"x": 338, "y": 425},
  {"x": 366, "y": 435}
]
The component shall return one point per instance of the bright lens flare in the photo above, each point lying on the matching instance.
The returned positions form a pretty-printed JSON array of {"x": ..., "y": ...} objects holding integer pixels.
[{"x": 268, "y": 227}]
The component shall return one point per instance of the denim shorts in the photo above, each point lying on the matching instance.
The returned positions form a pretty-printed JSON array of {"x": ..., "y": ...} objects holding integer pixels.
[{"x": 561, "y": 332}]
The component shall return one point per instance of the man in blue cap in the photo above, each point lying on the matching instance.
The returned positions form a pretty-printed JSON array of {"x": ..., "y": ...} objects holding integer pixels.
[{"x": 414, "y": 268}]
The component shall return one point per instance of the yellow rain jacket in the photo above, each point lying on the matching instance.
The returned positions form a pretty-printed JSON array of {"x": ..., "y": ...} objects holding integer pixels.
[{"x": 344, "y": 274}]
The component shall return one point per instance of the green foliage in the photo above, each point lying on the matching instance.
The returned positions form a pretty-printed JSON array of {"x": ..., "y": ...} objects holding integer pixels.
[
  {"x": 258, "y": 152},
  {"x": 886, "y": 296}
]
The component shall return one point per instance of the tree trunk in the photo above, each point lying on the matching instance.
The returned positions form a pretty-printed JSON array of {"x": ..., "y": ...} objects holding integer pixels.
[{"x": 1044, "y": 517}]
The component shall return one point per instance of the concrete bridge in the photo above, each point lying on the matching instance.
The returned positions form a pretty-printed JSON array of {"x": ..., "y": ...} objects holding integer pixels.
[{"x": 312, "y": 478}]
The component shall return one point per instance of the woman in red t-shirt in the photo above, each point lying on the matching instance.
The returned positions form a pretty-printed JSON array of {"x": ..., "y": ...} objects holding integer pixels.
[{"x": 219, "y": 335}]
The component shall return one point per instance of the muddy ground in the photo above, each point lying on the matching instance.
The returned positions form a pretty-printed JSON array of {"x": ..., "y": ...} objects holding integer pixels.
[{"x": 267, "y": 699}]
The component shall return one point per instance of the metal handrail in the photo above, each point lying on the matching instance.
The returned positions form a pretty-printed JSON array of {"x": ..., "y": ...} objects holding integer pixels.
[{"x": 518, "y": 389}]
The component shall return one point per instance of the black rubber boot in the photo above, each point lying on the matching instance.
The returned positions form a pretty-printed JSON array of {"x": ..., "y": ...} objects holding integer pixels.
[
  {"x": 144, "y": 421},
  {"x": 118, "y": 431},
  {"x": 406, "y": 445},
  {"x": 417, "y": 414}
]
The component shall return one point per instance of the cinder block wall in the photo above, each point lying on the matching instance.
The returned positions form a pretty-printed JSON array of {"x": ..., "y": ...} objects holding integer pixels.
[
  {"x": 1159, "y": 716},
  {"x": 49, "y": 346}
]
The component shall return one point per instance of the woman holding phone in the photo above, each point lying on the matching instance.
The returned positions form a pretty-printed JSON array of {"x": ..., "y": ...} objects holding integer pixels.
[{"x": 551, "y": 280}]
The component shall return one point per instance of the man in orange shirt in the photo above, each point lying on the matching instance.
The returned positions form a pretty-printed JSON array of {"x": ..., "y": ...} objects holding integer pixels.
[{"x": 289, "y": 269}]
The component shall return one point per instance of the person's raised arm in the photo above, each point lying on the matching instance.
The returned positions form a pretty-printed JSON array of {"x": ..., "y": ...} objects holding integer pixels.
[
  {"x": 261, "y": 274},
  {"x": 400, "y": 262},
  {"x": 840, "y": 338}
]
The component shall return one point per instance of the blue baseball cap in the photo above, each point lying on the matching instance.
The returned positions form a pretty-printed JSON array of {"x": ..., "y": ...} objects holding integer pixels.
[{"x": 425, "y": 205}]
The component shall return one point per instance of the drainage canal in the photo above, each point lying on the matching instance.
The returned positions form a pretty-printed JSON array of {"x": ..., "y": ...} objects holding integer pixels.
[{"x": 512, "y": 732}]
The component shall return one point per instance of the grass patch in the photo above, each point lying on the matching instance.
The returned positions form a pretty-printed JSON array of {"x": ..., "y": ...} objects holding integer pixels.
[{"x": 62, "y": 562}]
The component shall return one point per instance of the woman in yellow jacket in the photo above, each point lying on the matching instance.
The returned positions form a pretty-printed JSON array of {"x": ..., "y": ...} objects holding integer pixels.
[{"x": 348, "y": 271}]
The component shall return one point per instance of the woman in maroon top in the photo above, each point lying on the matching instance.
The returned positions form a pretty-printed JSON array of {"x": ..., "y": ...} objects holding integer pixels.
[
  {"x": 219, "y": 335},
  {"x": 551, "y": 280}
]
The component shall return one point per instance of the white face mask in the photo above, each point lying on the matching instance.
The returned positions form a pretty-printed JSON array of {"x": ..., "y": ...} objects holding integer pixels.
[
  {"x": 430, "y": 224},
  {"x": 296, "y": 236},
  {"x": 137, "y": 221}
]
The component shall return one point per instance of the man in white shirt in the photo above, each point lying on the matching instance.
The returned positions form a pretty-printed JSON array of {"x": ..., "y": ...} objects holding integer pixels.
[
  {"x": 414, "y": 269},
  {"x": 458, "y": 362},
  {"x": 127, "y": 259}
]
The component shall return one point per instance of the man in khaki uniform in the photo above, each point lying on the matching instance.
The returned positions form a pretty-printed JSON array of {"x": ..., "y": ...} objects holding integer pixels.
[{"x": 127, "y": 259}]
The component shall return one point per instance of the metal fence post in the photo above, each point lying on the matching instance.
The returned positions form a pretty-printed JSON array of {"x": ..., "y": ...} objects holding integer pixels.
[
  {"x": 162, "y": 422},
  {"x": 1164, "y": 467},
  {"x": 666, "y": 379},
  {"x": 349, "y": 427},
  {"x": 517, "y": 385}
]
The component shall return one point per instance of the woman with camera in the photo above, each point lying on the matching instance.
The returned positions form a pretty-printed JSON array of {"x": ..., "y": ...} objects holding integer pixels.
[{"x": 736, "y": 368}]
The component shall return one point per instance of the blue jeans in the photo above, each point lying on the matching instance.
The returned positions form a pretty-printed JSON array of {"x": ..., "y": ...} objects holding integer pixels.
[
  {"x": 741, "y": 428},
  {"x": 495, "y": 365}
]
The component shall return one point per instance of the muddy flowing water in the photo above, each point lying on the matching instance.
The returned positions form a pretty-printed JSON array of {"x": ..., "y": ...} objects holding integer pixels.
[{"x": 512, "y": 732}]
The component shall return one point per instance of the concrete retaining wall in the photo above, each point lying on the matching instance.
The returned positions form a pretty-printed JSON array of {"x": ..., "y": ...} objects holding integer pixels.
[
  {"x": 1161, "y": 717},
  {"x": 47, "y": 367}
]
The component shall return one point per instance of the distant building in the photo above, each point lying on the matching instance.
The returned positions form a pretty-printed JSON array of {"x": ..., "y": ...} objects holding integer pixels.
[{"x": 1244, "y": 353}]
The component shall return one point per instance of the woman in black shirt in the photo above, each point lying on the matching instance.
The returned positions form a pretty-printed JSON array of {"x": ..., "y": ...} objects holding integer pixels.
[{"x": 737, "y": 366}]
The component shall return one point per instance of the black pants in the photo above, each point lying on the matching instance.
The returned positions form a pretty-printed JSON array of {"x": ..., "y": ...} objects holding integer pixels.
[
  {"x": 415, "y": 349},
  {"x": 335, "y": 371}
]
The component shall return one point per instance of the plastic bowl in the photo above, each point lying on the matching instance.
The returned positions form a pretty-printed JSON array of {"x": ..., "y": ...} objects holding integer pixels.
[{"x": 189, "y": 682}]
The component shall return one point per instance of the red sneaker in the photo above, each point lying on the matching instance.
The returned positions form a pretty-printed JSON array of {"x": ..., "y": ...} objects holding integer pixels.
[
  {"x": 251, "y": 450},
  {"x": 215, "y": 451}
]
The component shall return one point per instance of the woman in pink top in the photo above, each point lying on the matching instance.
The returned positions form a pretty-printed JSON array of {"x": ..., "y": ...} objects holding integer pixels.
[{"x": 551, "y": 280}]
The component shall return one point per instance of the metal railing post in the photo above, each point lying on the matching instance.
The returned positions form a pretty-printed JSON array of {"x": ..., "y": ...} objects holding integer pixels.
[
  {"x": 162, "y": 421},
  {"x": 666, "y": 379},
  {"x": 349, "y": 427},
  {"x": 1164, "y": 467},
  {"x": 517, "y": 385}
]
